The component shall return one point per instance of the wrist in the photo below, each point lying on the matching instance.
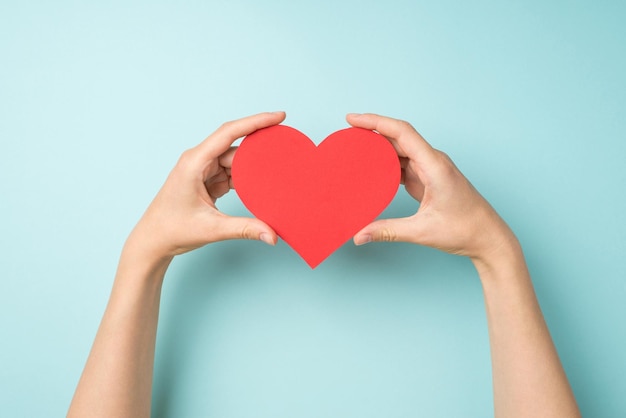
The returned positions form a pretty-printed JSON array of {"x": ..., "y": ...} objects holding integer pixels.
[
  {"x": 142, "y": 261},
  {"x": 502, "y": 259},
  {"x": 147, "y": 241}
]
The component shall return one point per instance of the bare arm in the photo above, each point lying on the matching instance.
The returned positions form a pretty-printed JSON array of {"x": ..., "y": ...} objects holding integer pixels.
[
  {"x": 527, "y": 374},
  {"x": 528, "y": 378},
  {"x": 117, "y": 379}
]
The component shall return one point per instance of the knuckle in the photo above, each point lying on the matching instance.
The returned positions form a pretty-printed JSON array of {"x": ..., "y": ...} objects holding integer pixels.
[
  {"x": 444, "y": 157},
  {"x": 387, "y": 235},
  {"x": 226, "y": 126},
  {"x": 445, "y": 163},
  {"x": 406, "y": 126},
  {"x": 185, "y": 157},
  {"x": 247, "y": 232}
]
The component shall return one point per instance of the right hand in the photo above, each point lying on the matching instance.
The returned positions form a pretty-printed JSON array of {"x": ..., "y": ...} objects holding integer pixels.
[
  {"x": 183, "y": 215},
  {"x": 452, "y": 216}
]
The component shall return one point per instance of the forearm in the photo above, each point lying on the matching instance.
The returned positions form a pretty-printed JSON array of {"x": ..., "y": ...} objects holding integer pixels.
[
  {"x": 117, "y": 379},
  {"x": 528, "y": 378}
]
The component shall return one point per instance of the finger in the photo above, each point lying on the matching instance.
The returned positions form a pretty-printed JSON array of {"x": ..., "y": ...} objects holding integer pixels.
[
  {"x": 217, "y": 190},
  {"x": 415, "y": 188},
  {"x": 389, "y": 230},
  {"x": 226, "y": 159},
  {"x": 212, "y": 184},
  {"x": 219, "y": 141},
  {"x": 221, "y": 175},
  {"x": 408, "y": 141},
  {"x": 231, "y": 227},
  {"x": 394, "y": 143}
]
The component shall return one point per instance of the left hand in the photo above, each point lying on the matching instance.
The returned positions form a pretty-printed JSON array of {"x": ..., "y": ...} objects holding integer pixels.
[
  {"x": 183, "y": 215},
  {"x": 452, "y": 216}
]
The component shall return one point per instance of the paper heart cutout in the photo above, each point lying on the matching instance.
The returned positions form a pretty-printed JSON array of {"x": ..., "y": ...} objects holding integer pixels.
[{"x": 315, "y": 197}]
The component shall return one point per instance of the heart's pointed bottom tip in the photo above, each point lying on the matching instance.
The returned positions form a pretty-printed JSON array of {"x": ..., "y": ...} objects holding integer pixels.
[{"x": 314, "y": 263}]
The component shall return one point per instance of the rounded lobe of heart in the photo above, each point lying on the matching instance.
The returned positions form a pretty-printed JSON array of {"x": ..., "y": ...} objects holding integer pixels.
[{"x": 315, "y": 197}]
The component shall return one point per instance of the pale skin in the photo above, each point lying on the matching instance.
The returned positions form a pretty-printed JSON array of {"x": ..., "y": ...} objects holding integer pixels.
[{"x": 528, "y": 378}]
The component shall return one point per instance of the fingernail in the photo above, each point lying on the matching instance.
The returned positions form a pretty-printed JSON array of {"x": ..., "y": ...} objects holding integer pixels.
[
  {"x": 363, "y": 239},
  {"x": 354, "y": 114},
  {"x": 277, "y": 112},
  {"x": 266, "y": 238}
]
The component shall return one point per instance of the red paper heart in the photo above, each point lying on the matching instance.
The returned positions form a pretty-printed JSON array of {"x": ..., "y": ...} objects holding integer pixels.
[{"x": 315, "y": 198}]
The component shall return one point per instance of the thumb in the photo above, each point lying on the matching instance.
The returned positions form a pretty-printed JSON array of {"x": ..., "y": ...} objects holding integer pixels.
[
  {"x": 246, "y": 228},
  {"x": 388, "y": 230}
]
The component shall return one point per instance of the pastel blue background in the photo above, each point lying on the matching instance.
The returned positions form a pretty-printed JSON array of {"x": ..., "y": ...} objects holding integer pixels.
[{"x": 97, "y": 101}]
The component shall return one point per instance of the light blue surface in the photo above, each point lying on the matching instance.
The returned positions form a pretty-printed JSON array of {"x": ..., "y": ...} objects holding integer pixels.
[{"x": 98, "y": 101}]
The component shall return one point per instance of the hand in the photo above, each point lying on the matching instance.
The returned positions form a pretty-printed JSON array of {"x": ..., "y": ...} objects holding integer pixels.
[
  {"x": 183, "y": 215},
  {"x": 452, "y": 216}
]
